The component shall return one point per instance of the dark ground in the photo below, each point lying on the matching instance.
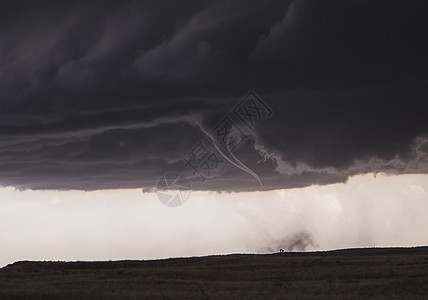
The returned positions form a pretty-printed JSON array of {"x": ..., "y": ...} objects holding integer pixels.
[{"x": 400, "y": 273}]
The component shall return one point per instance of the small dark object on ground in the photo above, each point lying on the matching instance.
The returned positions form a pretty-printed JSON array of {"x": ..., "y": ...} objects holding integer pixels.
[{"x": 393, "y": 273}]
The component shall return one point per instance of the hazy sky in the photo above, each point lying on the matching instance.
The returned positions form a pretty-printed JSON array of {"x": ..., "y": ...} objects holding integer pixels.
[
  {"x": 99, "y": 99},
  {"x": 127, "y": 224}
]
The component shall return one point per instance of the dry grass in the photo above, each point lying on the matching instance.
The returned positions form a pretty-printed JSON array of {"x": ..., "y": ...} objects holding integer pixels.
[{"x": 345, "y": 274}]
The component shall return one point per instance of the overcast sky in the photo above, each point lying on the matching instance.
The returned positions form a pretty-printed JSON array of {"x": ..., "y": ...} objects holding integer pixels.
[
  {"x": 98, "y": 95},
  {"x": 125, "y": 224}
]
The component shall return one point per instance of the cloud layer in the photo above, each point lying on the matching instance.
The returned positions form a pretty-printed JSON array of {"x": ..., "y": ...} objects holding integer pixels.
[{"x": 115, "y": 94}]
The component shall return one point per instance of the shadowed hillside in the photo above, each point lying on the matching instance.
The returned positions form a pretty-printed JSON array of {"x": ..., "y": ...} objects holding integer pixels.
[{"x": 378, "y": 273}]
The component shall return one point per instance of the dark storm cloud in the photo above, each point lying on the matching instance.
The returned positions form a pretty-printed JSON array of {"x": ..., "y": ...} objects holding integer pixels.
[{"x": 114, "y": 94}]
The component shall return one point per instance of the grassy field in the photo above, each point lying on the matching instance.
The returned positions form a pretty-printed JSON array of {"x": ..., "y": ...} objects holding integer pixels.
[{"x": 397, "y": 273}]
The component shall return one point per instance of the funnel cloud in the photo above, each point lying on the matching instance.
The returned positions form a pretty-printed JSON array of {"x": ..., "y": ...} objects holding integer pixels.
[{"x": 112, "y": 94}]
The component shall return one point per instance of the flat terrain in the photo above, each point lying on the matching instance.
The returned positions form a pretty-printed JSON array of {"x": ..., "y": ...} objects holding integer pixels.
[{"x": 400, "y": 273}]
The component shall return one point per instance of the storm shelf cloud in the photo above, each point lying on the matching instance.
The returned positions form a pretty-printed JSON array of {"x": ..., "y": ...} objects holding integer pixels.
[{"x": 114, "y": 94}]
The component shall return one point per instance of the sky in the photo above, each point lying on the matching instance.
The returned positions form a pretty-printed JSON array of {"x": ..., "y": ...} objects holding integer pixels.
[
  {"x": 367, "y": 211},
  {"x": 242, "y": 99}
]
